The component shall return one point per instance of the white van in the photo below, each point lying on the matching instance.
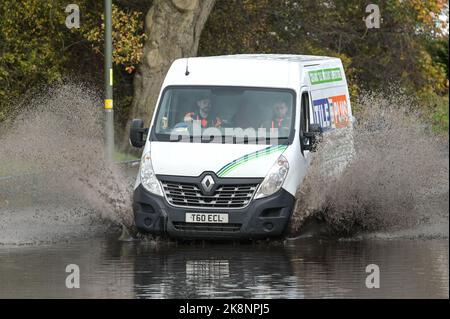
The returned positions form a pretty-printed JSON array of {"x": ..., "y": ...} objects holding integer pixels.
[{"x": 229, "y": 143}]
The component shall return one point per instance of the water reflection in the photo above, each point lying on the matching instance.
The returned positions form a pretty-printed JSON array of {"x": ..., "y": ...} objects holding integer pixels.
[
  {"x": 300, "y": 269},
  {"x": 224, "y": 271}
]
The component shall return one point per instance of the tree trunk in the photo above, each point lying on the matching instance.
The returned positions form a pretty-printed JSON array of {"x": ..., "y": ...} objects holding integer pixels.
[{"x": 173, "y": 29}]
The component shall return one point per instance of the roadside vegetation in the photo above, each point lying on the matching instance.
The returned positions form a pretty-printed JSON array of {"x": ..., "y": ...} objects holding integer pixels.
[{"x": 410, "y": 49}]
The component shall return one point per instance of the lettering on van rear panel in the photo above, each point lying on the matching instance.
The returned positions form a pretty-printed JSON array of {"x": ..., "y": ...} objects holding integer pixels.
[
  {"x": 339, "y": 108},
  {"x": 331, "y": 112},
  {"x": 325, "y": 76},
  {"x": 322, "y": 113}
]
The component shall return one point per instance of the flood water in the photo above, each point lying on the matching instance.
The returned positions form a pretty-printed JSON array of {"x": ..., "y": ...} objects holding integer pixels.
[
  {"x": 302, "y": 268},
  {"x": 38, "y": 241},
  {"x": 60, "y": 204}
]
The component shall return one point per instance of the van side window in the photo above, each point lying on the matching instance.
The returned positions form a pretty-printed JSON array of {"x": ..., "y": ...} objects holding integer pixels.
[{"x": 304, "y": 119}]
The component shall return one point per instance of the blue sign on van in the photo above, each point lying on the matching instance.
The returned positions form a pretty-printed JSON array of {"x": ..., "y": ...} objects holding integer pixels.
[{"x": 322, "y": 112}]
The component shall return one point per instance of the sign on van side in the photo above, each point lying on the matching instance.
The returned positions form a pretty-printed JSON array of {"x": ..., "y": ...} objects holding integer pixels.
[
  {"x": 341, "y": 117},
  {"x": 331, "y": 112},
  {"x": 325, "y": 76}
]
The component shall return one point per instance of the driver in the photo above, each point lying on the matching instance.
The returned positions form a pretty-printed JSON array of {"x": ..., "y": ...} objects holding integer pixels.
[
  {"x": 203, "y": 113},
  {"x": 281, "y": 118}
]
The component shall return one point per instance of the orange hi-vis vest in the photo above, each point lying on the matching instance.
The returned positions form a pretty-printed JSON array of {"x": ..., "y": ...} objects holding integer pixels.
[
  {"x": 279, "y": 122},
  {"x": 204, "y": 121}
]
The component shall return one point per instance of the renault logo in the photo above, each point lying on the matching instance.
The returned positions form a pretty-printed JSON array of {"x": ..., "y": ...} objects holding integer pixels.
[{"x": 207, "y": 183}]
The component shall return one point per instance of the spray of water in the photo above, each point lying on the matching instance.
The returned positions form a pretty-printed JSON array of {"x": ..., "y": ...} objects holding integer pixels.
[
  {"x": 54, "y": 149},
  {"x": 396, "y": 182}
]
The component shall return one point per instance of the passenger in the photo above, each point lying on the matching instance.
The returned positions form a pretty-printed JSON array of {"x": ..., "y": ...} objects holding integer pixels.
[
  {"x": 281, "y": 117},
  {"x": 203, "y": 113}
]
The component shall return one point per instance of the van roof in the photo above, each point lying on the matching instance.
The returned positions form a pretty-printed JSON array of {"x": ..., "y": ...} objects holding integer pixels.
[
  {"x": 257, "y": 70},
  {"x": 274, "y": 57}
]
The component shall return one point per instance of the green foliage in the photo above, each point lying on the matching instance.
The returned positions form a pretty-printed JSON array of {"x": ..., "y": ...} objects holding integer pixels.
[
  {"x": 438, "y": 50},
  {"x": 124, "y": 157},
  {"x": 31, "y": 46},
  {"x": 407, "y": 50},
  {"x": 435, "y": 108},
  {"x": 128, "y": 35},
  {"x": 440, "y": 116},
  {"x": 37, "y": 48}
]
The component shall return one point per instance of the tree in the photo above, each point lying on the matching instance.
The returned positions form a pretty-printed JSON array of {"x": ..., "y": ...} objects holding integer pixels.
[
  {"x": 173, "y": 30},
  {"x": 37, "y": 48},
  {"x": 395, "y": 52},
  {"x": 31, "y": 47}
]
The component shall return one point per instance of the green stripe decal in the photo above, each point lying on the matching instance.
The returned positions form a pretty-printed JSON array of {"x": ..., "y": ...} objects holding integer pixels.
[
  {"x": 248, "y": 157},
  {"x": 325, "y": 76}
]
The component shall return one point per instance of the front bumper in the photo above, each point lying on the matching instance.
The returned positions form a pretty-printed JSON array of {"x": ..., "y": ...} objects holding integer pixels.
[{"x": 262, "y": 218}]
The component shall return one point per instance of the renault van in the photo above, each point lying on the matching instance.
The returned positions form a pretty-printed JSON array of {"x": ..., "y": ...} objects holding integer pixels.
[{"x": 230, "y": 141}]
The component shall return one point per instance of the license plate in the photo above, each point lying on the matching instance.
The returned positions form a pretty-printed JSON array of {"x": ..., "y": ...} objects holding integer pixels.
[
  {"x": 206, "y": 218},
  {"x": 211, "y": 269}
]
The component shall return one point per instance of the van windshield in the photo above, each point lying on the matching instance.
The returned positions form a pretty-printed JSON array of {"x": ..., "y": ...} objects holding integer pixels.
[{"x": 225, "y": 114}]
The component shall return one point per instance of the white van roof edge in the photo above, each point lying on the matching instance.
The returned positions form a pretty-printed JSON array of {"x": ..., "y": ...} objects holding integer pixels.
[{"x": 272, "y": 57}]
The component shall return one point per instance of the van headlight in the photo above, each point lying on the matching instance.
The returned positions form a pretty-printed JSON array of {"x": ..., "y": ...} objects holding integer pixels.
[
  {"x": 148, "y": 177},
  {"x": 274, "y": 178}
]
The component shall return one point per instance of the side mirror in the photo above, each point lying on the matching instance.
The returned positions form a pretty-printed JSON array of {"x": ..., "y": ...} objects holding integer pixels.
[
  {"x": 137, "y": 132},
  {"x": 312, "y": 137}
]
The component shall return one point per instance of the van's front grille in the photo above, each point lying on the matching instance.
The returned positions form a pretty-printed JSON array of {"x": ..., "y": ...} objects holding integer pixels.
[
  {"x": 224, "y": 228},
  {"x": 225, "y": 196}
]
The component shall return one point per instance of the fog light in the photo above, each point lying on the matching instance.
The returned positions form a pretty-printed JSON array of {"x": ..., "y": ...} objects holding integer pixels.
[
  {"x": 147, "y": 221},
  {"x": 268, "y": 226}
]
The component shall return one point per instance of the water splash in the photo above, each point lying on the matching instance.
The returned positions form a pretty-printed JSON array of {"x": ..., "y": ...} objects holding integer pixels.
[
  {"x": 54, "y": 148},
  {"x": 396, "y": 185},
  {"x": 63, "y": 188}
]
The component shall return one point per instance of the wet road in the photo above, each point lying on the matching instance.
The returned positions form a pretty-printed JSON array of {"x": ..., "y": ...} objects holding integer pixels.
[
  {"x": 43, "y": 231},
  {"x": 302, "y": 268}
]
